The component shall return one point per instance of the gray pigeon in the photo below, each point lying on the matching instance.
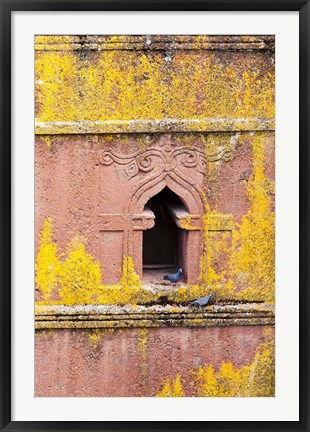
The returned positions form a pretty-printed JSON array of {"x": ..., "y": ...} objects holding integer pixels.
[
  {"x": 175, "y": 277},
  {"x": 202, "y": 301}
]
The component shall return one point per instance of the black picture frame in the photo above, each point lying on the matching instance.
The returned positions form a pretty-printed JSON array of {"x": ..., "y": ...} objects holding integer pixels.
[{"x": 7, "y": 7}]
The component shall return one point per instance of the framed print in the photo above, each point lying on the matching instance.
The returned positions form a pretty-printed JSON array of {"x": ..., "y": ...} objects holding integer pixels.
[{"x": 153, "y": 188}]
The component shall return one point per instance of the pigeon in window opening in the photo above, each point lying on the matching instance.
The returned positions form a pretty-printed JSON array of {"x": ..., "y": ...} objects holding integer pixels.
[
  {"x": 175, "y": 277},
  {"x": 202, "y": 301}
]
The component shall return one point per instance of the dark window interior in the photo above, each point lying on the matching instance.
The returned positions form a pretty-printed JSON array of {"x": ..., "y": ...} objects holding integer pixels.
[{"x": 160, "y": 244}]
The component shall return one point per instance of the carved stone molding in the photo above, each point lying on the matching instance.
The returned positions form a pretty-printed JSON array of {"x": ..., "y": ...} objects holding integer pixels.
[
  {"x": 117, "y": 222},
  {"x": 168, "y": 157},
  {"x": 152, "y": 42},
  {"x": 100, "y": 316},
  {"x": 144, "y": 221},
  {"x": 163, "y": 125}
]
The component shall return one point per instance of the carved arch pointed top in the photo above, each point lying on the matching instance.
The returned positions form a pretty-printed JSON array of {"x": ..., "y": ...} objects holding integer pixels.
[{"x": 190, "y": 195}]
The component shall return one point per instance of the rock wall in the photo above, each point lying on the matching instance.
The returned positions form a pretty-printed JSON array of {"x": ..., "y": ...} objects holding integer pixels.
[
  {"x": 120, "y": 119},
  {"x": 135, "y": 362}
]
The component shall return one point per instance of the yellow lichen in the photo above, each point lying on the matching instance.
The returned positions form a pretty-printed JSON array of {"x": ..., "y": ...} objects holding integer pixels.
[
  {"x": 256, "y": 379},
  {"x": 47, "y": 140},
  {"x": 249, "y": 254},
  {"x": 227, "y": 382},
  {"x": 128, "y": 291},
  {"x": 185, "y": 223},
  {"x": 47, "y": 262},
  {"x": 172, "y": 388},
  {"x": 210, "y": 277},
  {"x": 76, "y": 277},
  {"x": 95, "y": 336},
  {"x": 122, "y": 295},
  {"x": 148, "y": 85},
  {"x": 187, "y": 293},
  {"x": 253, "y": 251},
  {"x": 129, "y": 276},
  {"x": 262, "y": 373},
  {"x": 80, "y": 276},
  {"x": 142, "y": 341}
]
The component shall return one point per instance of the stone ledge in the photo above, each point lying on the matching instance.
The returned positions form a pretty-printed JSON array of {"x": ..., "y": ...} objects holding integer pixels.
[
  {"x": 153, "y": 42},
  {"x": 117, "y": 317},
  {"x": 151, "y": 126}
]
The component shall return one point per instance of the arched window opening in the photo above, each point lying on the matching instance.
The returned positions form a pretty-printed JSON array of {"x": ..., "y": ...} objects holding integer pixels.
[{"x": 163, "y": 244}]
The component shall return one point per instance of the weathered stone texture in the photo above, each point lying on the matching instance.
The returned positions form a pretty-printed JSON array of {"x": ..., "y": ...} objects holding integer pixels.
[
  {"x": 69, "y": 364},
  {"x": 119, "y": 119},
  {"x": 87, "y": 182}
]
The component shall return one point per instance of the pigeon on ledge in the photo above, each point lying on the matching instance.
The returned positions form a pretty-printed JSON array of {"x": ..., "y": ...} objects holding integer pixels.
[
  {"x": 202, "y": 301},
  {"x": 175, "y": 277}
]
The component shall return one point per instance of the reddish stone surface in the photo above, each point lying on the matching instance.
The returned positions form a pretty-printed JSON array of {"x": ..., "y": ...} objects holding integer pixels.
[
  {"x": 66, "y": 363},
  {"x": 96, "y": 187},
  {"x": 67, "y": 189}
]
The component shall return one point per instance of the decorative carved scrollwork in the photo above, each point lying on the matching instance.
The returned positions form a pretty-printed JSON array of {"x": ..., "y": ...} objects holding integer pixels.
[{"x": 169, "y": 155}]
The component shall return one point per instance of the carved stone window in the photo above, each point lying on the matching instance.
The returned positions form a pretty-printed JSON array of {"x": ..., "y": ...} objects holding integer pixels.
[
  {"x": 163, "y": 245},
  {"x": 160, "y": 185}
]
